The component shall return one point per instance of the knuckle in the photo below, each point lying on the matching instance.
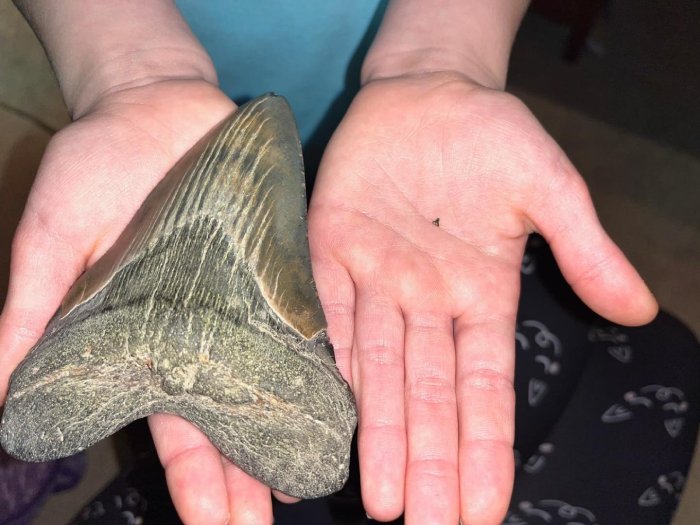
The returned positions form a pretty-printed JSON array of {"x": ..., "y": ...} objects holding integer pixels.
[
  {"x": 593, "y": 271},
  {"x": 427, "y": 323},
  {"x": 381, "y": 426},
  {"x": 431, "y": 389},
  {"x": 433, "y": 466},
  {"x": 488, "y": 380},
  {"x": 338, "y": 309},
  {"x": 575, "y": 182},
  {"x": 194, "y": 451},
  {"x": 381, "y": 353}
]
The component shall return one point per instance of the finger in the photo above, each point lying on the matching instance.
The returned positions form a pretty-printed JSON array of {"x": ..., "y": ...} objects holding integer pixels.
[
  {"x": 432, "y": 480},
  {"x": 193, "y": 470},
  {"x": 379, "y": 391},
  {"x": 486, "y": 408},
  {"x": 590, "y": 261},
  {"x": 337, "y": 294},
  {"x": 284, "y": 498},
  {"x": 250, "y": 501},
  {"x": 336, "y": 291},
  {"x": 43, "y": 268}
]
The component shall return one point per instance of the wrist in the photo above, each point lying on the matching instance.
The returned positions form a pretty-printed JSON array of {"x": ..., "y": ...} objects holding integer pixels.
[
  {"x": 106, "y": 75},
  {"x": 97, "y": 48},
  {"x": 469, "y": 37},
  {"x": 431, "y": 61}
]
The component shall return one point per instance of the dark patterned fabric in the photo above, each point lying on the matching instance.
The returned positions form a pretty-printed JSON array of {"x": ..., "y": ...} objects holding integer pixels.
[{"x": 607, "y": 416}]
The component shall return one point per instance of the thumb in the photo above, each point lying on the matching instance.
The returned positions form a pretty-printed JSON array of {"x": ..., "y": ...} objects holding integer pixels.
[
  {"x": 590, "y": 261},
  {"x": 43, "y": 267}
]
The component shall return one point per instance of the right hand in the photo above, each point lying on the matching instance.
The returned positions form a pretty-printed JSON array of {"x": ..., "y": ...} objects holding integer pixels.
[{"x": 95, "y": 174}]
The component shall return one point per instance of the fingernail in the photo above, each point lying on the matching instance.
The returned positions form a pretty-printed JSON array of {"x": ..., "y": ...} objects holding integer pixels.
[{"x": 369, "y": 517}]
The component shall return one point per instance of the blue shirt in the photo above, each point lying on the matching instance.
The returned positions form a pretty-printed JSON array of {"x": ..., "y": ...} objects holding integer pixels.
[{"x": 309, "y": 51}]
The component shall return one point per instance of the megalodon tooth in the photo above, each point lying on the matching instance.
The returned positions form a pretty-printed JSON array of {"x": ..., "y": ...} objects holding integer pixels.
[{"x": 205, "y": 307}]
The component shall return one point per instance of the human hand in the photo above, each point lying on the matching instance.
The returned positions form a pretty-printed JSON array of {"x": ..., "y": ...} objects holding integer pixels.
[
  {"x": 421, "y": 315},
  {"x": 92, "y": 179}
]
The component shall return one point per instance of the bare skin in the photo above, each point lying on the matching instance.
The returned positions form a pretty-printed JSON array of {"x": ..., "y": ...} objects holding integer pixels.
[
  {"x": 429, "y": 355},
  {"x": 422, "y": 317}
]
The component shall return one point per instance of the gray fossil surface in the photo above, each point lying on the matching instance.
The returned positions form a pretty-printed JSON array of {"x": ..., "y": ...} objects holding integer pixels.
[{"x": 205, "y": 307}]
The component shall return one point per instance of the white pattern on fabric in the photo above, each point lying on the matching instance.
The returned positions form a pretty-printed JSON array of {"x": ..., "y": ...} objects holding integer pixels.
[
  {"x": 538, "y": 460},
  {"x": 546, "y": 350},
  {"x": 667, "y": 485},
  {"x": 552, "y": 512},
  {"x": 618, "y": 342},
  {"x": 670, "y": 401}
]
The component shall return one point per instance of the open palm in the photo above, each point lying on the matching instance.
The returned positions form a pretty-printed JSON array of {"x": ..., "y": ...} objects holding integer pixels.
[{"x": 418, "y": 223}]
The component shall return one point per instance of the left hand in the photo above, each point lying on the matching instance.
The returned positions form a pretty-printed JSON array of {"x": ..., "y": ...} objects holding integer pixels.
[{"x": 422, "y": 316}]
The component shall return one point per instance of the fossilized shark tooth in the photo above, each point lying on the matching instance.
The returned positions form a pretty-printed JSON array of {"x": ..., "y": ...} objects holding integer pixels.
[{"x": 205, "y": 307}]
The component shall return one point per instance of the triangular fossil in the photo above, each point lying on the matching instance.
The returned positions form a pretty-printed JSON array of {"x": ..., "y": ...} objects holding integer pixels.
[{"x": 205, "y": 307}]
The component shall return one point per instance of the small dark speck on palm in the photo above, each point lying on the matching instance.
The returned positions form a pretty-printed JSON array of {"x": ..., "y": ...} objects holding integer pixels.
[{"x": 436, "y": 222}]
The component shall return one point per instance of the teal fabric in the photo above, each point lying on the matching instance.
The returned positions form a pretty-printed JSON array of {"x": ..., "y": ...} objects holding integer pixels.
[{"x": 308, "y": 51}]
